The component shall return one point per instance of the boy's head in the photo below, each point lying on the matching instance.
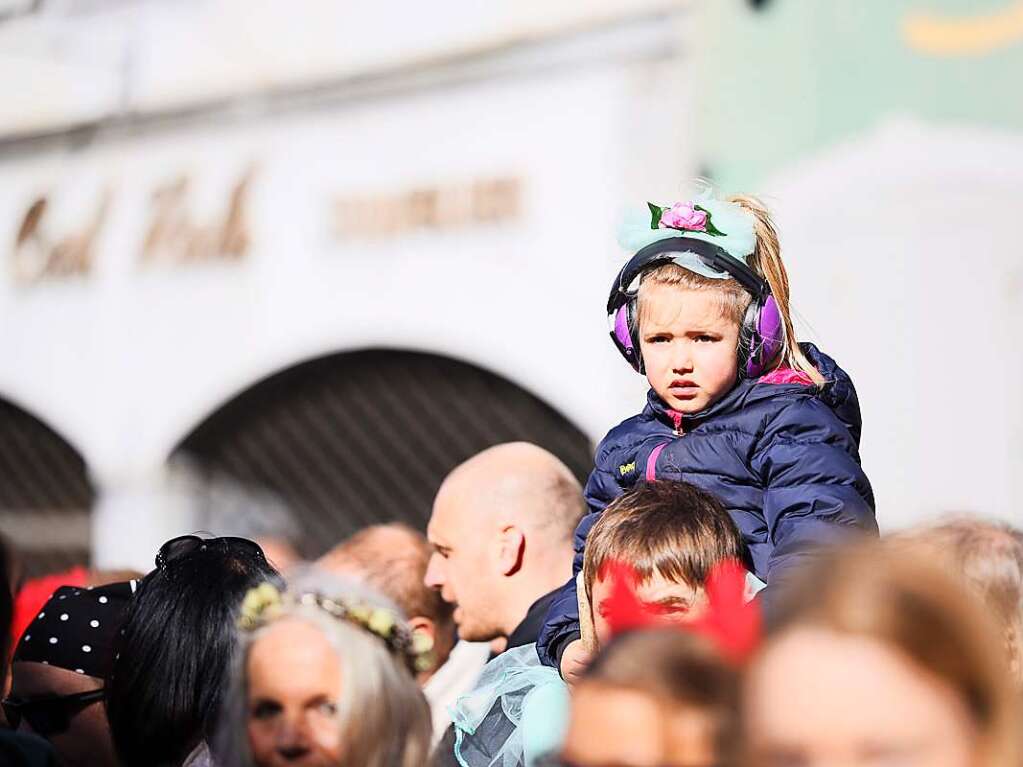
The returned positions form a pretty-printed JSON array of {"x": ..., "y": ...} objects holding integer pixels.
[{"x": 671, "y": 534}]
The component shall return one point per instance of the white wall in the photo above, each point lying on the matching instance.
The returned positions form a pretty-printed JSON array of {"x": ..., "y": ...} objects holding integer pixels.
[
  {"x": 127, "y": 359},
  {"x": 79, "y": 61},
  {"x": 904, "y": 251}
]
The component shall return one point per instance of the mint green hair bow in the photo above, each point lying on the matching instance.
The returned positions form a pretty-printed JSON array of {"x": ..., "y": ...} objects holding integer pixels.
[{"x": 725, "y": 224}]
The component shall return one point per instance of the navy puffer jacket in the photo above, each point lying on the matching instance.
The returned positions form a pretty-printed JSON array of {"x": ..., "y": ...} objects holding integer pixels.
[{"x": 782, "y": 458}]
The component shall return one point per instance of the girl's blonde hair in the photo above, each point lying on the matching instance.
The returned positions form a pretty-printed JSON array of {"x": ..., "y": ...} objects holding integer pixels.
[{"x": 765, "y": 261}]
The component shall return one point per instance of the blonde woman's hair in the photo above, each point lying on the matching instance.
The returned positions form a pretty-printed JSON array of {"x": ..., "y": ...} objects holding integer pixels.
[
  {"x": 987, "y": 557},
  {"x": 765, "y": 261},
  {"x": 912, "y": 605},
  {"x": 383, "y": 718}
]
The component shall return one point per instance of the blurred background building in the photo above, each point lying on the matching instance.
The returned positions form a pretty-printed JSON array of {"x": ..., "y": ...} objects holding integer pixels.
[{"x": 273, "y": 269}]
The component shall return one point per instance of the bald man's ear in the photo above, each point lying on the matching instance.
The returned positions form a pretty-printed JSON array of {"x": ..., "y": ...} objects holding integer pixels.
[{"x": 512, "y": 549}]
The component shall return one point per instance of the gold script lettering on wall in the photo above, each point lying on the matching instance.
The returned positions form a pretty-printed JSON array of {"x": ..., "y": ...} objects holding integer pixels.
[
  {"x": 174, "y": 236},
  {"x": 429, "y": 208},
  {"x": 973, "y": 34},
  {"x": 39, "y": 254}
]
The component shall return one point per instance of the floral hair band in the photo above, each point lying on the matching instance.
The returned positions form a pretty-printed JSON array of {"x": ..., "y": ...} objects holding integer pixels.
[
  {"x": 705, "y": 217},
  {"x": 265, "y": 603},
  {"x": 683, "y": 216}
]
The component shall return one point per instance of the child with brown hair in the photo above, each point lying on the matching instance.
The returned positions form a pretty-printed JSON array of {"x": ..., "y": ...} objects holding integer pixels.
[
  {"x": 670, "y": 536},
  {"x": 737, "y": 407}
]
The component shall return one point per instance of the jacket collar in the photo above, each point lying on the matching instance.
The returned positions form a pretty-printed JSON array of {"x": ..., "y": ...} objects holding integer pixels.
[
  {"x": 838, "y": 393},
  {"x": 733, "y": 400}
]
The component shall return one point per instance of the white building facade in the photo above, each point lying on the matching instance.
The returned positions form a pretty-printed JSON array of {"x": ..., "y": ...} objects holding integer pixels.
[{"x": 170, "y": 247}]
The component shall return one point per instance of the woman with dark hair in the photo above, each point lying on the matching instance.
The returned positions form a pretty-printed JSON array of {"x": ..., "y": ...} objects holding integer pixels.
[
  {"x": 165, "y": 688},
  {"x": 58, "y": 671}
]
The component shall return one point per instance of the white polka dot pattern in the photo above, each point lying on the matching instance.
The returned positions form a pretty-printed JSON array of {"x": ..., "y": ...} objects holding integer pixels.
[{"x": 75, "y": 628}]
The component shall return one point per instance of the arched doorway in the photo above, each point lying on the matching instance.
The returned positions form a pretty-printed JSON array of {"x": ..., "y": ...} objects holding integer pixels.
[
  {"x": 352, "y": 439},
  {"x": 45, "y": 494}
]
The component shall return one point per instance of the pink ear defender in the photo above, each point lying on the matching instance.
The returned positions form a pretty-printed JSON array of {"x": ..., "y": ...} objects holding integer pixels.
[
  {"x": 762, "y": 334},
  {"x": 765, "y": 342},
  {"x": 622, "y": 335}
]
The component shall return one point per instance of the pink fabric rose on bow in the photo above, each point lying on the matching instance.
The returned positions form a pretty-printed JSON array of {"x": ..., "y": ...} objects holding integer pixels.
[{"x": 682, "y": 215}]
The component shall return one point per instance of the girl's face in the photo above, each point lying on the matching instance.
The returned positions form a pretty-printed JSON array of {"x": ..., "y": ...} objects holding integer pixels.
[
  {"x": 817, "y": 698},
  {"x": 294, "y": 684},
  {"x": 688, "y": 346}
]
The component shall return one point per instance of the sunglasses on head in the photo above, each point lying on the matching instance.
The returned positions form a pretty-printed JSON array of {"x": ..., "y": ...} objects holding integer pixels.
[
  {"x": 48, "y": 716},
  {"x": 183, "y": 545}
]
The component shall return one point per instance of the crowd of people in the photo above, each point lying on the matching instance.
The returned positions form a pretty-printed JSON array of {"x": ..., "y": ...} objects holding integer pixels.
[{"x": 717, "y": 595}]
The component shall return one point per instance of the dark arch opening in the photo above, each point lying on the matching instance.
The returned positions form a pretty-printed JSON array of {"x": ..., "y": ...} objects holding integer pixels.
[
  {"x": 45, "y": 494},
  {"x": 353, "y": 439}
]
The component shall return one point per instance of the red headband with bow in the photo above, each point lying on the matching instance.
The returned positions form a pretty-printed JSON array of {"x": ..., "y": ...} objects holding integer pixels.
[{"x": 730, "y": 622}]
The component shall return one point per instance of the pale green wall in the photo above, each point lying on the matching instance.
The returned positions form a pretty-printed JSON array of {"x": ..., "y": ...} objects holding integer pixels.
[{"x": 799, "y": 75}]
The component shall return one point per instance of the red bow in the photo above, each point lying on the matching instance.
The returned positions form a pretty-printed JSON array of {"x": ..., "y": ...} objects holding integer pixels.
[{"x": 732, "y": 623}]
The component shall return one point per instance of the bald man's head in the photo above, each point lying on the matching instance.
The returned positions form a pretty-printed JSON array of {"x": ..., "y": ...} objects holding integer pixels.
[
  {"x": 518, "y": 483},
  {"x": 502, "y": 522}
]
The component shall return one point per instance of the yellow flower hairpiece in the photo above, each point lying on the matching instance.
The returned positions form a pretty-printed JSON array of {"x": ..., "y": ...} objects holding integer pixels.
[
  {"x": 261, "y": 604},
  {"x": 265, "y": 603}
]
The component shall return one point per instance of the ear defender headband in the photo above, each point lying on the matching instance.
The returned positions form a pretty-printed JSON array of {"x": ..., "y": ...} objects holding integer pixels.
[{"x": 761, "y": 334}]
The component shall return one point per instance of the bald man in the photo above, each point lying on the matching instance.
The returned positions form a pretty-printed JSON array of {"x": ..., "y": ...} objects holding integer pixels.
[{"x": 501, "y": 532}]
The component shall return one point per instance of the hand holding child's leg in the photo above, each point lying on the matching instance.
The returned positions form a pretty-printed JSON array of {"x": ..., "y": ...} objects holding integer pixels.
[{"x": 574, "y": 660}]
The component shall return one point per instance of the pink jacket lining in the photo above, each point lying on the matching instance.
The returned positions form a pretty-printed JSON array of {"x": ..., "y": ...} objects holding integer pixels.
[{"x": 786, "y": 376}]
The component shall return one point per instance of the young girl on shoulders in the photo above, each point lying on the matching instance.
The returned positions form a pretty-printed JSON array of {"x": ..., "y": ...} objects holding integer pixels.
[{"x": 735, "y": 406}]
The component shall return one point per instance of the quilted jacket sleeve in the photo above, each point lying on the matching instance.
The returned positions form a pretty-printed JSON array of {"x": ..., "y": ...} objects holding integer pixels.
[
  {"x": 562, "y": 623},
  {"x": 815, "y": 491}
]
